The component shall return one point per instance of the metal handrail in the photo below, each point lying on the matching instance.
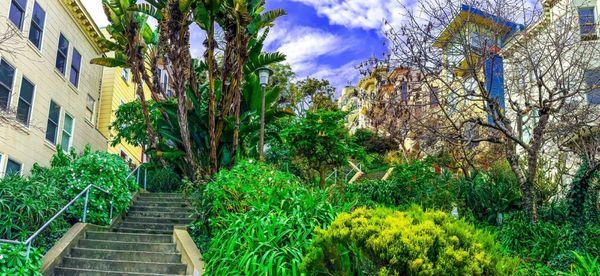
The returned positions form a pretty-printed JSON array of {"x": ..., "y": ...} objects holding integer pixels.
[
  {"x": 137, "y": 174},
  {"x": 85, "y": 191}
]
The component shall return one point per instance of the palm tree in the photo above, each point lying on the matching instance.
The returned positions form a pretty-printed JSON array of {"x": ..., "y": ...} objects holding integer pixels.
[
  {"x": 131, "y": 36},
  {"x": 241, "y": 21}
]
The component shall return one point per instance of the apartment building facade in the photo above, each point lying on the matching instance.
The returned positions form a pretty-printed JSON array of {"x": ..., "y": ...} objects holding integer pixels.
[
  {"x": 566, "y": 34},
  {"x": 49, "y": 91}
]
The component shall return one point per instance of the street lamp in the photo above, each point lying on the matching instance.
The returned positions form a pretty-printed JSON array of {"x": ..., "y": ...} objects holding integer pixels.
[{"x": 263, "y": 75}]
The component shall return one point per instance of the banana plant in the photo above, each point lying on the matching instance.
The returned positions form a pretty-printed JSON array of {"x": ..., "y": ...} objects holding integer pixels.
[{"x": 130, "y": 36}]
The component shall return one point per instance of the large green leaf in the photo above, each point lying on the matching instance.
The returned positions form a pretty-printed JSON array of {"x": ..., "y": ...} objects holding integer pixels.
[{"x": 109, "y": 62}]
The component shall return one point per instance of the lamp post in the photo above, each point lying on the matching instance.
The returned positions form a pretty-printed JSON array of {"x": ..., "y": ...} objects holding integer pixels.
[{"x": 263, "y": 74}]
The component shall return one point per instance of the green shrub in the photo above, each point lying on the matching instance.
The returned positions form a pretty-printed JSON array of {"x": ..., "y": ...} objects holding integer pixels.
[
  {"x": 546, "y": 242},
  {"x": 14, "y": 260},
  {"x": 25, "y": 205},
  {"x": 260, "y": 220},
  {"x": 72, "y": 173},
  {"x": 373, "y": 143},
  {"x": 411, "y": 183},
  {"x": 388, "y": 242},
  {"x": 163, "y": 180},
  {"x": 490, "y": 193}
]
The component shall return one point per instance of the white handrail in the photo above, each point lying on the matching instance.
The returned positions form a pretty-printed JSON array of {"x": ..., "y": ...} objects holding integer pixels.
[
  {"x": 137, "y": 172},
  {"x": 85, "y": 191}
]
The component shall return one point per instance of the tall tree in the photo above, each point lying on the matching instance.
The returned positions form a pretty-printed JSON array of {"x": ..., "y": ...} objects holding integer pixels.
[
  {"x": 131, "y": 36},
  {"x": 510, "y": 92}
]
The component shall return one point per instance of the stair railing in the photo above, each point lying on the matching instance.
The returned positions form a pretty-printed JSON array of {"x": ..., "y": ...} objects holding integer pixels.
[
  {"x": 85, "y": 192},
  {"x": 137, "y": 172}
]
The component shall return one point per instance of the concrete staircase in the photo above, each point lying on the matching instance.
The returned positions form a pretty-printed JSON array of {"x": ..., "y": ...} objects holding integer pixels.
[{"x": 142, "y": 244}]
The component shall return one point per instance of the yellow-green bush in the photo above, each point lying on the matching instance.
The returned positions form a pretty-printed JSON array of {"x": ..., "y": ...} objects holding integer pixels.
[{"x": 387, "y": 242}]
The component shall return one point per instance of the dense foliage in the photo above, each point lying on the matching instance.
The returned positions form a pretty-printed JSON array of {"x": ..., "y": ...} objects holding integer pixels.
[
  {"x": 163, "y": 180},
  {"x": 27, "y": 203},
  {"x": 411, "y": 183},
  {"x": 388, "y": 242},
  {"x": 260, "y": 220},
  {"x": 13, "y": 260},
  {"x": 320, "y": 141}
]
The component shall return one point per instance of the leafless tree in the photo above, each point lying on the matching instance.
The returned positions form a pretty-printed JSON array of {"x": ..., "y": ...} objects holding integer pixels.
[{"x": 508, "y": 72}]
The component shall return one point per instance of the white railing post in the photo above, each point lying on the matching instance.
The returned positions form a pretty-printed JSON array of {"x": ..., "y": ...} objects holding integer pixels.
[{"x": 87, "y": 194}]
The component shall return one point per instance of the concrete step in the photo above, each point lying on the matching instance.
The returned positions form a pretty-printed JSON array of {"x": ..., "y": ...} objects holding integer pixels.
[
  {"x": 144, "y": 231},
  {"x": 128, "y": 237},
  {"x": 160, "y": 203},
  {"x": 128, "y": 246},
  {"x": 161, "y": 199},
  {"x": 140, "y": 256},
  {"x": 163, "y": 195},
  {"x": 146, "y": 225},
  {"x": 68, "y": 271},
  {"x": 178, "y": 221},
  {"x": 124, "y": 266},
  {"x": 159, "y": 214},
  {"x": 136, "y": 208}
]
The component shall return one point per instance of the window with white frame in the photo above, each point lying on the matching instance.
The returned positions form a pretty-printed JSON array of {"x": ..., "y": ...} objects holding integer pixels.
[
  {"x": 125, "y": 74},
  {"x": 52, "y": 125},
  {"x": 592, "y": 78},
  {"x": 587, "y": 22},
  {"x": 75, "y": 68},
  {"x": 13, "y": 167},
  {"x": 67, "y": 133},
  {"x": 36, "y": 30},
  {"x": 25, "y": 101},
  {"x": 61, "y": 54},
  {"x": 17, "y": 12},
  {"x": 90, "y": 108},
  {"x": 7, "y": 75}
]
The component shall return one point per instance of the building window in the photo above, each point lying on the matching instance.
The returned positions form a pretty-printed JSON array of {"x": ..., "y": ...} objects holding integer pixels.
[
  {"x": 75, "y": 68},
  {"x": 587, "y": 22},
  {"x": 7, "y": 75},
  {"x": 67, "y": 133},
  {"x": 17, "y": 12},
  {"x": 125, "y": 74},
  {"x": 36, "y": 30},
  {"x": 404, "y": 91},
  {"x": 61, "y": 55},
  {"x": 592, "y": 78},
  {"x": 52, "y": 127},
  {"x": 13, "y": 167},
  {"x": 89, "y": 106},
  {"x": 25, "y": 101}
]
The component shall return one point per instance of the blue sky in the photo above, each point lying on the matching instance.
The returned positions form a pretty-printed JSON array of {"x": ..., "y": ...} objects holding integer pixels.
[{"x": 321, "y": 38}]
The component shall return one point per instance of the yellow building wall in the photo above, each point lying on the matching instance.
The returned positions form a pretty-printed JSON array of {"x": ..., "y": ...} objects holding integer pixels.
[{"x": 116, "y": 90}]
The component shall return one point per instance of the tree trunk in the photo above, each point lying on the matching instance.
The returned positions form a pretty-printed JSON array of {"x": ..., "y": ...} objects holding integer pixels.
[
  {"x": 145, "y": 111},
  {"x": 237, "y": 102},
  {"x": 211, "y": 97},
  {"x": 181, "y": 63}
]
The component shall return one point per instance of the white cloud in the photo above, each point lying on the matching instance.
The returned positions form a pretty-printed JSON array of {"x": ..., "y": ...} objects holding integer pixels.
[
  {"x": 94, "y": 8},
  {"x": 303, "y": 46},
  {"x": 338, "y": 77},
  {"x": 365, "y": 14}
]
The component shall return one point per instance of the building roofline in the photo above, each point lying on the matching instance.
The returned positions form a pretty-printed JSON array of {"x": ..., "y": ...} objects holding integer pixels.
[
  {"x": 466, "y": 10},
  {"x": 86, "y": 23}
]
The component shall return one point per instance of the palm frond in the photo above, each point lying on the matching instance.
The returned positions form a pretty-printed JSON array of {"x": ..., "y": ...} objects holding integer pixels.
[
  {"x": 147, "y": 9},
  {"x": 263, "y": 60},
  {"x": 109, "y": 62}
]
